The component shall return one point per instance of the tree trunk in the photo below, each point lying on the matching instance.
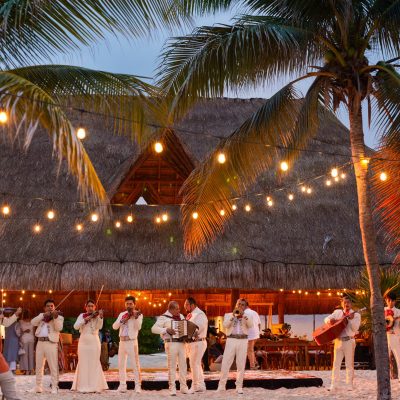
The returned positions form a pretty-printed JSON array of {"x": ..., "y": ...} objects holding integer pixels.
[{"x": 368, "y": 236}]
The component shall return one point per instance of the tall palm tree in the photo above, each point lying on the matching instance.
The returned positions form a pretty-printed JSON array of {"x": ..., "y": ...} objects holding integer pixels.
[
  {"x": 331, "y": 42},
  {"x": 36, "y": 30}
]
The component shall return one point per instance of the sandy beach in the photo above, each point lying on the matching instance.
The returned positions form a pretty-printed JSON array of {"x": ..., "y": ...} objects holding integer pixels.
[{"x": 365, "y": 382}]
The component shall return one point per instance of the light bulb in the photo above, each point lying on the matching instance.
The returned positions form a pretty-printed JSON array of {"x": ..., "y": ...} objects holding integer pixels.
[
  {"x": 303, "y": 189},
  {"x": 94, "y": 217},
  {"x": 247, "y": 207},
  {"x": 129, "y": 218},
  {"x": 34, "y": 295},
  {"x": 318, "y": 293},
  {"x": 37, "y": 228},
  {"x": 3, "y": 117},
  {"x": 383, "y": 176},
  {"x": 284, "y": 166},
  {"x": 334, "y": 172},
  {"x": 309, "y": 190},
  {"x": 164, "y": 217},
  {"x": 221, "y": 158},
  {"x": 270, "y": 203},
  {"x": 20, "y": 299},
  {"x": 23, "y": 292},
  {"x": 158, "y": 147},
  {"x": 158, "y": 220},
  {"x": 328, "y": 182},
  {"x": 79, "y": 227},
  {"x": 51, "y": 214},
  {"x": 6, "y": 210},
  {"x": 343, "y": 175},
  {"x": 234, "y": 207},
  {"x": 195, "y": 215},
  {"x": 222, "y": 213},
  {"x": 117, "y": 224},
  {"x": 290, "y": 197},
  {"x": 81, "y": 133},
  {"x": 364, "y": 161},
  {"x": 50, "y": 291}
]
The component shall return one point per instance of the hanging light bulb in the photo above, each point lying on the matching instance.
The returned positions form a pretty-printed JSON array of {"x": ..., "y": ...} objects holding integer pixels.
[
  {"x": 364, "y": 161},
  {"x": 221, "y": 158},
  {"x": 291, "y": 197},
  {"x": 309, "y": 190},
  {"x": 222, "y": 212},
  {"x": 328, "y": 182},
  {"x": 129, "y": 218},
  {"x": 169, "y": 294},
  {"x": 94, "y": 217},
  {"x": 37, "y": 228},
  {"x": 117, "y": 224},
  {"x": 268, "y": 198},
  {"x": 158, "y": 147},
  {"x": 50, "y": 291},
  {"x": 284, "y": 166},
  {"x": 158, "y": 220},
  {"x": 334, "y": 172},
  {"x": 21, "y": 298},
  {"x": 343, "y": 175},
  {"x": 6, "y": 210},
  {"x": 383, "y": 176},
  {"x": 33, "y": 295},
  {"x": 336, "y": 179},
  {"x": 81, "y": 133},
  {"x": 234, "y": 207},
  {"x": 247, "y": 207},
  {"x": 195, "y": 215},
  {"x": 303, "y": 189},
  {"x": 79, "y": 227},
  {"x": 270, "y": 203},
  {"x": 164, "y": 217},
  {"x": 23, "y": 292},
  {"x": 318, "y": 293},
  {"x": 51, "y": 214},
  {"x": 3, "y": 117}
]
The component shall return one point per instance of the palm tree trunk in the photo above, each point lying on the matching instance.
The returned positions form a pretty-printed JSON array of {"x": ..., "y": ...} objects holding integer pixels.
[{"x": 368, "y": 236}]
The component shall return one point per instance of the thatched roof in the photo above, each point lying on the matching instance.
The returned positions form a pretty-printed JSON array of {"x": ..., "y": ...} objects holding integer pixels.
[{"x": 312, "y": 242}]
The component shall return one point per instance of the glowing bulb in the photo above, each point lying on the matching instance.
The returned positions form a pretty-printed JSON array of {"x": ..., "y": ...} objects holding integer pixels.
[
  {"x": 281, "y": 290},
  {"x": 164, "y": 301},
  {"x": 159, "y": 304},
  {"x": 79, "y": 227},
  {"x": 117, "y": 224},
  {"x": 299, "y": 291},
  {"x": 247, "y": 207},
  {"x": 51, "y": 214},
  {"x": 94, "y": 217},
  {"x": 158, "y": 147},
  {"x": 365, "y": 161},
  {"x": 145, "y": 297},
  {"x": 383, "y": 176},
  {"x": 50, "y": 291},
  {"x": 3, "y": 117},
  {"x": 81, "y": 133},
  {"x": 343, "y": 175},
  {"x": 309, "y": 190},
  {"x": 164, "y": 217},
  {"x": 329, "y": 294},
  {"x": 270, "y": 203},
  {"x": 23, "y": 292},
  {"x": 34, "y": 295},
  {"x": 129, "y": 218},
  {"x": 195, "y": 215},
  {"x": 328, "y": 182},
  {"x": 234, "y": 207},
  {"x": 290, "y": 197},
  {"x": 6, "y": 210},
  {"x": 37, "y": 228},
  {"x": 336, "y": 179},
  {"x": 284, "y": 166},
  {"x": 158, "y": 220},
  {"x": 268, "y": 198},
  {"x": 334, "y": 172},
  {"x": 222, "y": 213},
  {"x": 318, "y": 293},
  {"x": 170, "y": 294},
  {"x": 20, "y": 298},
  {"x": 221, "y": 158},
  {"x": 303, "y": 189},
  {"x": 306, "y": 293},
  {"x": 293, "y": 291},
  {"x": 150, "y": 302}
]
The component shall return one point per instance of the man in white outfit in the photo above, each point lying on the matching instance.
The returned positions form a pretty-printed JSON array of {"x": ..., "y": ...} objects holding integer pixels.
[
  {"x": 175, "y": 348},
  {"x": 129, "y": 323},
  {"x": 345, "y": 344},
  {"x": 236, "y": 326},
  {"x": 198, "y": 345},
  {"x": 49, "y": 325},
  {"x": 392, "y": 314},
  {"x": 253, "y": 334}
]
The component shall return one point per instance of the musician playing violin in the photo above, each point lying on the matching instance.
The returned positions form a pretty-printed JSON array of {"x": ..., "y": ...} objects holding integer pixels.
[
  {"x": 392, "y": 316},
  {"x": 89, "y": 376},
  {"x": 49, "y": 325},
  {"x": 345, "y": 344},
  {"x": 129, "y": 323}
]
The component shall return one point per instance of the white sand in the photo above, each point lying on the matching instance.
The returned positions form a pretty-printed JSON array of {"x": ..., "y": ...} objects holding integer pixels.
[{"x": 365, "y": 382}]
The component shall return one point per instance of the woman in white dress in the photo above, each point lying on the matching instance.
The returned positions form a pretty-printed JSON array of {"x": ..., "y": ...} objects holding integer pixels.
[{"x": 89, "y": 376}]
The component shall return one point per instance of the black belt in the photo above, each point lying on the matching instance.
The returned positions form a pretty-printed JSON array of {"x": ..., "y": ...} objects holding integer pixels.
[
  {"x": 43, "y": 339},
  {"x": 173, "y": 340},
  {"x": 198, "y": 340},
  {"x": 237, "y": 337}
]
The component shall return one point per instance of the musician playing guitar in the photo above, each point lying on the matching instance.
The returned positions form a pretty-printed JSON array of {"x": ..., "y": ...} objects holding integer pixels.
[
  {"x": 392, "y": 315},
  {"x": 345, "y": 344}
]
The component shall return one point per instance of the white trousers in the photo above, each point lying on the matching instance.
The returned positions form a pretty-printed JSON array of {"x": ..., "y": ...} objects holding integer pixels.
[
  {"x": 196, "y": 351},
  {"x": 176, "y": 355},
  {"x": 394, "y": 345},
  {"x": 234, "y": 348},
  {"x": 129, "y": 349},
  {"x": 343, "y": 349},
  {"x": 47, "y": 351},
  {"x": 7, "y": 384}
]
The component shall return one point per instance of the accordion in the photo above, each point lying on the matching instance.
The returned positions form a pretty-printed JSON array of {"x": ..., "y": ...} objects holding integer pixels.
[{"x": 184, "y": 329}]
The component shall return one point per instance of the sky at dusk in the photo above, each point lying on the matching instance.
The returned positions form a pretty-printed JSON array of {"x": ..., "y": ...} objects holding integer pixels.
[{"x": 140, "y": 57}]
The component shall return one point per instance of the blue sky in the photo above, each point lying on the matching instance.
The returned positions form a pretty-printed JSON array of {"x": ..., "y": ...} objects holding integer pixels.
[{"x": 140, "y": 57}]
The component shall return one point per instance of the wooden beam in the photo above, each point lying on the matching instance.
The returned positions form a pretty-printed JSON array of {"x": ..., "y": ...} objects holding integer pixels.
[
  {"x": 281, "y": 308},
  {"x": 235, "y": 295}
]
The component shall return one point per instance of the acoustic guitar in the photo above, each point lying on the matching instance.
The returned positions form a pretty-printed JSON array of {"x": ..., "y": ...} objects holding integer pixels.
[{"x": 328, "y": 332}]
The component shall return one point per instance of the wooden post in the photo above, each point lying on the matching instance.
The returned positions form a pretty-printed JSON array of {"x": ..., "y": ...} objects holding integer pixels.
[
  {"x": 235, "y": 294},
  {"x": 281, "y": 307}
]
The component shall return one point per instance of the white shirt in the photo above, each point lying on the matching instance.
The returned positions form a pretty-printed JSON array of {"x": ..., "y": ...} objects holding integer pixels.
[
  {"x": 353, "y": 324},
  {"x": 43, "y": 330},
  {"x": 396, "y": 314},
  {"x": 199, "y": 318},
  {"x": 253, "y": 332}
]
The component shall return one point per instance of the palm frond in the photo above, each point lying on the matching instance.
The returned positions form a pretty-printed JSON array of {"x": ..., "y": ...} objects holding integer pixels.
[
  {"x": 250, "y": 150},
  {"x": 42, "y": 27},
  {"x": 219, "y": 58}
]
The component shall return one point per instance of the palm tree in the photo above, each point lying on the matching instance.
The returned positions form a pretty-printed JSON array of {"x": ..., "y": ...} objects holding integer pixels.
[
  {"x": 329, "y": 41},
  {"x": 36, "y": 30}
]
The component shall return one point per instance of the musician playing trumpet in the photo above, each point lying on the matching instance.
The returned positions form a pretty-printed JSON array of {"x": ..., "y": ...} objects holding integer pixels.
[
  {"x": 174, "y": 347},
  {"x": 89, "y": 376},
  {"x": 237, "y": 325},
  {"x": 345, "y": 344},
  {"x": 129, "y": 323},
  {"x": 392, "y": 316}
]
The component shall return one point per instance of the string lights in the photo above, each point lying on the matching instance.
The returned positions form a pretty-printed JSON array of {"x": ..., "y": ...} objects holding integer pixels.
[
  {"x": 284, "y": 166},
  {"x": 3, "y": 117},
  {"x": 221, "y": 158},
  {"x": 51, "y": 214},
  {"x": 6, "y": 210},
  {"x": 94, "y": 217},
  {"x": 158, "y": 147},
  {"x": 81, "y": 133}
]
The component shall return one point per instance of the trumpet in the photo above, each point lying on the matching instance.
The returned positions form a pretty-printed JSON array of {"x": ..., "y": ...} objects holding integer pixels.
[{"x": 237, "y": 313}]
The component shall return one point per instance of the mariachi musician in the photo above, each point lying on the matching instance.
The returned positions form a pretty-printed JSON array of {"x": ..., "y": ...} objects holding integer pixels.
[
  {"x": 174, "y": 347},
  {"x": 49, "y": 325},
  {"x": 345, "y": 344},
  {"x": 392, "y": 315},
  {"x": 89, "y": 376},
  {"x": 129, "y": 323}
]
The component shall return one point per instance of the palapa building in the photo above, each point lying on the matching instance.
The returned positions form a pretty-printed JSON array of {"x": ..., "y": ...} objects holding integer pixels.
[{"x": 310, "y": 245}]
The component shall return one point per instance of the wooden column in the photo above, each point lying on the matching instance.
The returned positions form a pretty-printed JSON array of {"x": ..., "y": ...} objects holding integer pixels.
[
  {"x": 281, "y": 307},
  {"x": 235, "y": 294}
]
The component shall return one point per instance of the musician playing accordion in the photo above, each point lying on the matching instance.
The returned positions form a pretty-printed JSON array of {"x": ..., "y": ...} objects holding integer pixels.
[
  {"x": 345, "y": 344},
  {"x": 392, "y": 315},
  {"x": 174, "y": 346}
]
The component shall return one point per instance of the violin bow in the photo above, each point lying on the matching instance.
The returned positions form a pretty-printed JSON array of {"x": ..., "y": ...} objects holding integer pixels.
[
  {"x": 98, "y": 298},
  {"x": 65, "y": 298}
]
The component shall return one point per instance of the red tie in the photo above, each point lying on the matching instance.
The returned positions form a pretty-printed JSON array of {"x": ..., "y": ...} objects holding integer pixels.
[{"x": 189, "y": 316}]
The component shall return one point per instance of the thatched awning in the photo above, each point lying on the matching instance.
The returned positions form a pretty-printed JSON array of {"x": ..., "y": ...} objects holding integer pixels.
[{"x": 311, "y": 243}]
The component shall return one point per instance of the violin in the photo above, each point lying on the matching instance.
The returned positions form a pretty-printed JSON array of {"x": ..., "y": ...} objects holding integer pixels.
[
  {"x": 47, "y": 317},
  {"x": 90, "y": 315},
  {"x": 129, "y": 314}
]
